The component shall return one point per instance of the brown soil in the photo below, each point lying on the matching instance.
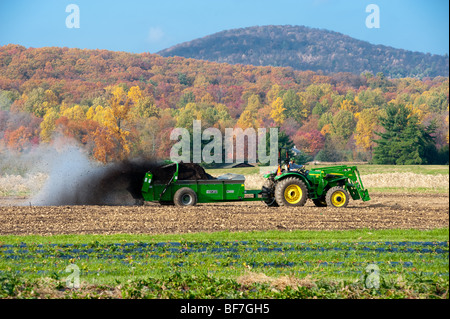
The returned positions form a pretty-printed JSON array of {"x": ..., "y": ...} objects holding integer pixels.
[{"x": 384, "y": 211}]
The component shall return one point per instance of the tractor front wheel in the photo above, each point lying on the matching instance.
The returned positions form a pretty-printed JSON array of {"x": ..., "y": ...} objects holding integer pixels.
[
  {"x": 185, "y": 197},
  {"x": 337, "y": 197},
  {"x": 291, "y": 192}
]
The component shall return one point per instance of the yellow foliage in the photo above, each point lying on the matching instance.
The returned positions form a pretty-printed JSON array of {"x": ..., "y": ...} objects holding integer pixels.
[
  {"x": 101, "y": 115},
  {"x": 73, "y": 113},
  {"x": 48, "y": 125},
  {"x": 367, "y": 122},
  {"x": 51, "y": 98},
  {"x": 273, "y": 93},
  {"x": 201, "y": 81},
  {"x": 304, "y": 113},
  {"x": 194, "y": 109},
  {"x": 302, "y": 98},
  {"x": 326, "y": 129},
  {"x": 135, "y": 94},
  {"x": 208, "y": 99},
  {"x": 419, "y": 111},
  {"x": 90, "y": 113},
  {"x": 349, "y": 106},
  {"x": 112, "y": 137},
  {"x": 119, "y": 104},
  {"x": 247, "y": 119},
  {"x": 253, "y": 103},
  {"x": 277, "y": 113}
]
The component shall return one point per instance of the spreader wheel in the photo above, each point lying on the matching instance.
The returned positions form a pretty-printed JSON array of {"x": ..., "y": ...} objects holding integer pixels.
[
  {"x": 337, "y": 197},
  {"x": 320, "y": 202},
  {"x": 185, "y": 197},
  {"x": 166, "y": 203},
  {"x": 268, "y": 191},
  {"x": 291, "y": 192}
]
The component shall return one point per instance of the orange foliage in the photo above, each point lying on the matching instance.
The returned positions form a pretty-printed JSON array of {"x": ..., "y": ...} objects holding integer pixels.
[
  {"x": 119, "y": 104},
  {"x": 18, "y": 139}
]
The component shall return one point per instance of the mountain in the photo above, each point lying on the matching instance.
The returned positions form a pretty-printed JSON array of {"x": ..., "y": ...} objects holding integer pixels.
[{"x": 304, "y": 48}]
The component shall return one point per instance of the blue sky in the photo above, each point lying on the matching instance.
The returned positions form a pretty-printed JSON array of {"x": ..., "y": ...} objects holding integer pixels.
[{"x": 149, "y": 26}]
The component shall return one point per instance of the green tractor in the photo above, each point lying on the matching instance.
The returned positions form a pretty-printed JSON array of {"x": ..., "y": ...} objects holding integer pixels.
[{"x": 291, "y": 185}]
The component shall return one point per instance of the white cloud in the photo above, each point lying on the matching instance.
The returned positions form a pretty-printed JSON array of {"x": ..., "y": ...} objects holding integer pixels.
[{"x": 155, "y": 35}]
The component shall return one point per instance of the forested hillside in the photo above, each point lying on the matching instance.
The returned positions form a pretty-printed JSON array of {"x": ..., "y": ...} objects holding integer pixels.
[
  {"x": 119, "y": 105},
  {"x": 304, "y": 48}
]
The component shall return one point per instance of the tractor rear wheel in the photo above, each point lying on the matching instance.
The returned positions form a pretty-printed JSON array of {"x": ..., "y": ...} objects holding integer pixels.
[
  {"x": 337, "y": 197},
  {"x": 269, "y": 192},
  {"x": 291, "y": 192},
  {"x": 185, "y": 197}
]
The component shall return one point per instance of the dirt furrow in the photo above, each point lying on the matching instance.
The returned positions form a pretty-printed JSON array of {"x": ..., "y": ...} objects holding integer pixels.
[{"x": 384, "y": 211}]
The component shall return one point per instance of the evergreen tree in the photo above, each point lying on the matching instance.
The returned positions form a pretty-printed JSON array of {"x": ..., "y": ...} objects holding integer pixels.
[
  {"x": 284, "y": 141},
  {"x": 405, "y": 141}
]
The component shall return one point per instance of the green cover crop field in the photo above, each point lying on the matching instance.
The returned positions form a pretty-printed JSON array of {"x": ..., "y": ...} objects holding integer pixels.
[
  {"x": 228, "y": 269},
  {"x": 392, "y": 247}
]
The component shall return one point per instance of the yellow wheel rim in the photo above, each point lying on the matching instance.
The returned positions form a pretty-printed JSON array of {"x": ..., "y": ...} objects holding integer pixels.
[
  {"x": 338, "y": 199},
  {"x": 293, "y": 194}
]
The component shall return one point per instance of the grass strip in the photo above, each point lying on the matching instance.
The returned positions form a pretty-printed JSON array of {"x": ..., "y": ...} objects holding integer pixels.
[{"x": 440, "y": 234}]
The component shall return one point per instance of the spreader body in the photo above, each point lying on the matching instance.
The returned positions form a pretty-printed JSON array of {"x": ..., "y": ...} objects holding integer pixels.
[{"x": 225, "y": 188}]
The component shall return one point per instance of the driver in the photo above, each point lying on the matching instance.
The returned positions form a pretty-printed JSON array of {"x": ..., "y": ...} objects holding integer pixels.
[{"x": 293, "y": 166}]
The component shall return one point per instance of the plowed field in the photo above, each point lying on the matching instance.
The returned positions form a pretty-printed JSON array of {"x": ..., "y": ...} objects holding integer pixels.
[{"x": 384, "y": 211}]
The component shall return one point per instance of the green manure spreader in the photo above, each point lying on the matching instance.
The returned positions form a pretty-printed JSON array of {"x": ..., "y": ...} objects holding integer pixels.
[{"x": 185, "y": 184}]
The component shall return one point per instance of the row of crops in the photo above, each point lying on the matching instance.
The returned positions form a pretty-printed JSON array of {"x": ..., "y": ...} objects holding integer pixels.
[{"x": 341, "y": 260}]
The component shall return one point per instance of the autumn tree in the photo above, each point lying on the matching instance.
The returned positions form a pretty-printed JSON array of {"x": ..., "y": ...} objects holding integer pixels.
[
  {"x": 48, "y": 125},
  {"x": 365, "y": 128},
  {"x": 187, "y": 97},
  {"x": 39, "y": 100},
  {"x": 294, "y": 107},
  {"x": 273, "y": 93},
  {"x": 349, "y": 105},
  {"x": 143, "y": 105},
  {"x": 112, "y": 139},
  {"x": 343, "y": 126},
  {"x": 310, "y": 142},
  {"x": 187, "y": 115},
  {"x": 18, "y": 139},
  {"x": 249, "y": 117},
  {"x": 278, "y": 111},
  {"x": 123, "y": 97}
]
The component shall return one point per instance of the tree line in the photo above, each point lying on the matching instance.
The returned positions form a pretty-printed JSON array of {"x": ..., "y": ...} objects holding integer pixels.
[{"x": 119, "y": 105}]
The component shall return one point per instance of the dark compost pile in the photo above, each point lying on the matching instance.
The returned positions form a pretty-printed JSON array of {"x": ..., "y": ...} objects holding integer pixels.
[{"x": 186, "y": 171}]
